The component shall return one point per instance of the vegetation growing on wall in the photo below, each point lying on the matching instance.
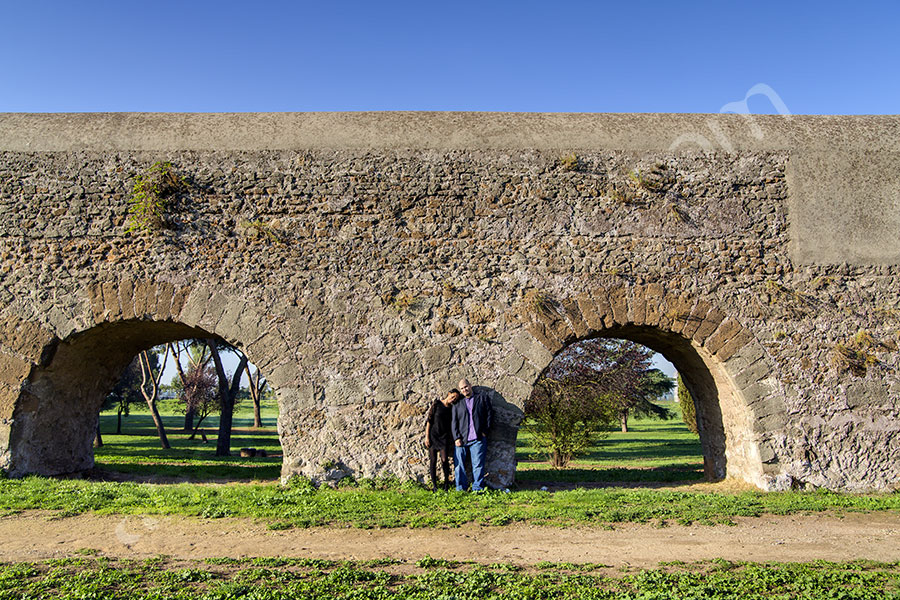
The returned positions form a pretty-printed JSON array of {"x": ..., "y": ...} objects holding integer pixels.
[{"x": 151, "y": 197}]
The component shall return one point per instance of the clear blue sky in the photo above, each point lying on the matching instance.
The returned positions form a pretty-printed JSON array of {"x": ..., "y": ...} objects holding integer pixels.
[{"x": 819, "y": 57}]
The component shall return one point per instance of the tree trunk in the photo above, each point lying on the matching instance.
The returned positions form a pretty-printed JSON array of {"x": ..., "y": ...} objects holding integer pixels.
[
  {"x": 188, "y": 414},
  {"x": 227, "y": 395},
  {"x": 150, "y": 397},
  {"x": 98, "y": 441},
  {"x": 157, "y": 420},
  {"x": 257, "y": 418},
  {"x": 119, "y": 422},
  {"x": 255, "y": 394},
  {"x": 624, "y": 417}
]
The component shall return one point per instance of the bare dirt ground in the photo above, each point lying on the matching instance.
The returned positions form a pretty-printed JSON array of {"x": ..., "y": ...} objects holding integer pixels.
[{"x": 36, "y": 535}]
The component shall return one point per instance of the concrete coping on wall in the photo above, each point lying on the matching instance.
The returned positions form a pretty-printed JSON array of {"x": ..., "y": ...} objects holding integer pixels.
[{"x": 47, "y": 132}]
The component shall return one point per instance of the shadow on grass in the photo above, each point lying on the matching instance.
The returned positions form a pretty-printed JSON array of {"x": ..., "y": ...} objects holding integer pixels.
[
  {"x": 615, "y": 475},
  {"x": 164, "y": 473}
]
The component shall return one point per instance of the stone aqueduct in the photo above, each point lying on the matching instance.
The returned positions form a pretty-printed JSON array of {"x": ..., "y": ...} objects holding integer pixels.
[{"x": 367, "y": 261}]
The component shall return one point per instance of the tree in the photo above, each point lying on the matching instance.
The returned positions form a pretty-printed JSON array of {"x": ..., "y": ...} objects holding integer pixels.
[
  {"x": 654, "y": 384},
  {"x": 126, "y": 392},
  {"x": 257, "y": 386},
  {"x": 586, "y": 387},
  {"x": 227, "y": 393},
  {"x": 198, "y": 356},
  {"x": 151, "y": 373},
  {"x": 200, "y": 393},
  {"x": 688, "y": 408},
  {"x": 566, "y": 416}
]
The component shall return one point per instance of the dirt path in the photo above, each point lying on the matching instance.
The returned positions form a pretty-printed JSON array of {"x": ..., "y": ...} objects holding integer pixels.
[{"x": 33, "y": 536}]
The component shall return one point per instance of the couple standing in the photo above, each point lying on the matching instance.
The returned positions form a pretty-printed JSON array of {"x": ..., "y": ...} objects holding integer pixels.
[{"x": 460, "y": 421}]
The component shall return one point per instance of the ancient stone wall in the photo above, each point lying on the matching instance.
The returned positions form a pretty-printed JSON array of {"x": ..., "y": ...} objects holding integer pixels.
[{"x": 365, "y": 281}]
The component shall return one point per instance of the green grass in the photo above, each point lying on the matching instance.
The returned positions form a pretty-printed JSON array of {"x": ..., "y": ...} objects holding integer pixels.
[
  {"x": 138, "y": 452},
  {"x": 652, "y": 451},
  {"x": 386, "y": 503},
  {"x": 283, "y": 578}
]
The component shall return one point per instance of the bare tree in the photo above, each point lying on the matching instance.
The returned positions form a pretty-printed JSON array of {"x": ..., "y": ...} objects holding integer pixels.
[
  {"x": 198, "y": 357},
  {"x": 227, "y": 395},
  {"x": 200, "y": 394},
  {"x": 257, "y": 387},
  {"x": 150, "y": 390}
]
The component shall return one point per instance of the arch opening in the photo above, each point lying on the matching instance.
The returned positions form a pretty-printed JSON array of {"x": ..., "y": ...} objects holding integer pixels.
[
  {"x": 56, "y": 419},
  {"x": 727, "y": 439}
]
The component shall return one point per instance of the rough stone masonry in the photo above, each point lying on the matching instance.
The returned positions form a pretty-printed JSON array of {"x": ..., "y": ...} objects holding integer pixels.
[{"x": 366, "y": 261}]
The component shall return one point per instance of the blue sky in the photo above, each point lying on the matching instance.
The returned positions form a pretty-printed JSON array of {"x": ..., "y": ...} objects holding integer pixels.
[{"x": 819, "y": 57}]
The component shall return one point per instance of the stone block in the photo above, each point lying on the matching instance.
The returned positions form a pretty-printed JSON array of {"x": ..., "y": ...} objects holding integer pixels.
[
  {"x": 575, "y": 320},
  {"x": 637, "y": 305},
  {"x": 268, "y": 349},
  {"x": 149, "y": 301},
  {"x": 390, "y": 390},
  {"x": 733, "y": 345},
  {"x": 164, "y": 293},
  {"x": 602, "y": 306},
  {"x": 249, "y": 327},
  {"x": 592, "y": 318},
  {"x": 25, "y": 337},
  {"x": 343, "y": 392},
  {"x": 194, "y": 306},
  {"x": 655, "y": 298},
  {"x": 678, "y": 312},
  {"x": 95, "y": 298},
  {"x": 866, "y": 393},
  {"x": 725, "y": 332},
  {"x": 213, "y": 311},
  {"x": 179, "y": 297},
  {"x": 13, "y": 370},
  {"x": 227, "y": 325},
  {"x": 752, "y": 374},
  {"x": 408, "y": 365},
  {"x": 771, "y": 422},
  {"x": 767, "y": 454},
  {"x": 547, "y": 339},
  {"x": 710, "y": 323},
  {"x": 514, "y": 390},
  {"x": 436, "y": 358},
  {"x": 695, "y": 319},
  {"x": 758, "y": 395},
  {"x": 530, "y": 348},
  {"x": 295, "y": 400},
  {"x": 618, "y": 302},
  {"x": 743, "y": 358},
  {"x": 141, "y": 289},
  {"x": 512, "y": 363},
  {"x": 126, "y": 298}
]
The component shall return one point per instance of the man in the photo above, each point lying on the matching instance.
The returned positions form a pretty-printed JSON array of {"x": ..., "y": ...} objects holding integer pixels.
[
  {"x": 438, "y": 437},
  {"x": 472, "y": 419}
]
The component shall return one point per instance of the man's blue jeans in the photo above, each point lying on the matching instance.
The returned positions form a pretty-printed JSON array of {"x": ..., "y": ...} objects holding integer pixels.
[{"x": 475, "y": 451}]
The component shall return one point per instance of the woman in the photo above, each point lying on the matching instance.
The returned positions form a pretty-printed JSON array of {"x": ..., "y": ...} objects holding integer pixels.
[{"x": 438, "y": 438}]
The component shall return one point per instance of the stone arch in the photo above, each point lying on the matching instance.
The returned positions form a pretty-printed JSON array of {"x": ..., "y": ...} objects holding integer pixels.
[
  {"x": 740, "y": 408},
  {"x": 53, "y": 380}
]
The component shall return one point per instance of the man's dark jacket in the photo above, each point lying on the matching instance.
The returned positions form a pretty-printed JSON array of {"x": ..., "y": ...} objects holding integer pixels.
[{"x": 482, "y": 412}]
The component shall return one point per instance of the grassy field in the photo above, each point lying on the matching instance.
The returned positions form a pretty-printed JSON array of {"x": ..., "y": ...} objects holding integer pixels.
[
  {"x": 653, "y": 450},
  {"x": 137, "y": 452},
  {"x": 91, "y": 576}
]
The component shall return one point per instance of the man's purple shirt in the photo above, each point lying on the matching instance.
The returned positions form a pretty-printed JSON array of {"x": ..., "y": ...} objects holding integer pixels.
[{"x": 473, "y": 435}]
